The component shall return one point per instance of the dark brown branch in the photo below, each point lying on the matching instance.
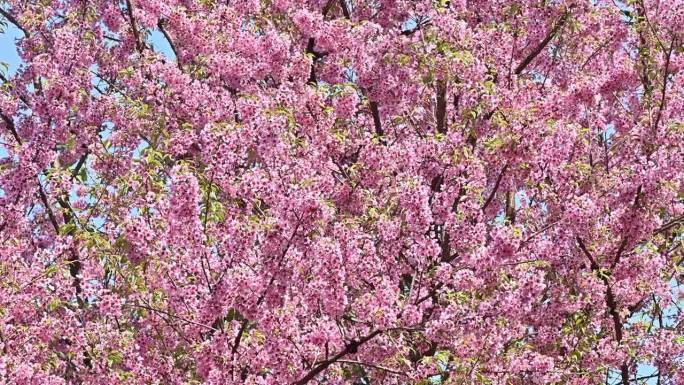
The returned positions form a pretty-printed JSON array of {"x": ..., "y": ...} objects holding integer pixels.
[
  {"x": 160, "y": 25},
  {"x": 12, "y": 129},
  {"x": 238, "y": 337},
  {"x": 377, "y": 122},
  {"x": 112, "y": 38},
  {"x": 510, "y": 206},
  {"x": 351, "y": 348},
  {"x": 490, "y": 198},
  {"x": 677, "y": 221},
  {"x": 593, "y": 264},
  {"x": 80, "y": 164},
  {"x": 611, "y": 303},
  {"x": 640, "y": 14},
  {"x": 327, "y": 7},
  {"x": 14, "y": 21},
  {"x": 419, "y": 25},
  {"x": 171, "y": 315},
  {"x": 134, "y": 28},
  {"x": 596, "y": 52},
  {"x": 664, "y": 90},
  {"x": 243, "y": 327},
  {"x": 75, "y": 267},
  {"x": 41, "y": 192},
  {"x": 4, "y": 344},
  {"x": 540, "y": 47},
  {"x": 316, "y": 56},
  {"x": 610, "y": 297},
  {"x": 345, "y": 9},
  {"x": 48, "y": 209},
  {"x": 625, "y": 239},
  {"x": 73, "y": 260},
  {"x": 440, "y": 111},
  {"x": 378, "y": 367},
  {"x": 537, "y": 232},
  {"x": 310, "y": 50}
]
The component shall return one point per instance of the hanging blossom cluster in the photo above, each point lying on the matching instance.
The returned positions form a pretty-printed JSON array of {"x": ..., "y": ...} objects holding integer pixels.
[{"x": 339, "y": 192}]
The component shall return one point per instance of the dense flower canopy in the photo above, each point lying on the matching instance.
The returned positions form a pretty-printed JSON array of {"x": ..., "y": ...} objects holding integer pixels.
[{"x": 342, "y": 192}]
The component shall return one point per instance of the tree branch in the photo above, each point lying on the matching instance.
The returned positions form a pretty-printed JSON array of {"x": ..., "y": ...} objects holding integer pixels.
[
  {"x": 160, "y": 25},
  {"x": 12, "y": 129},
  {"x": 677, "y": 221},
  {"x": 134, "y": 28},
  {"x": 664, "y": 90},
  {"x": 420, "y": 23},
  {"x": 14, "y": 21},
  {"x": 172, "y": 316},
  {"x": 351, "y": 348},
  {"x": 440, "y": 111},
  {"x": 377, "y": 122},
  {"x": 345, "y": 9},
  {"x": 490, "y": 198},
  {"x": 610, "y": 303},
  {"x": 310, "y": 50},
  {"x": 243, "y": 327},
  {"x": 378, "y": 367},
  {"x": 80, "y": 164},
  {"x": 540, "y": 47},
  {"x": 48, "y": 209}
]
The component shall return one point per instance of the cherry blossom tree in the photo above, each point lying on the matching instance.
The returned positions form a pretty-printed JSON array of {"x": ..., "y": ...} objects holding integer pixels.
[{"x": 342, "y": 192}]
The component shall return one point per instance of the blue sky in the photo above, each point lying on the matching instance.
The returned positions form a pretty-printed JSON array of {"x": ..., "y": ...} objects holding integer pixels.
[
  {"x": 10, "y": 60},
  {"x": 10, "y": 57},
  {"x": 8, "y": 50}
]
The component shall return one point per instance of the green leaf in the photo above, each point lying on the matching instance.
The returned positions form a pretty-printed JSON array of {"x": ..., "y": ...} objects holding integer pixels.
[
  {"x": 51, "y": 270},
  {"x": 55, "y": 304},
  {"x": 67, "y": 228},
  {"x": 114, "y": 358},
  {"x": 603, "y": 273},
  {"x": 489, "y": 86},
  {"x": 83, "y": 174}
]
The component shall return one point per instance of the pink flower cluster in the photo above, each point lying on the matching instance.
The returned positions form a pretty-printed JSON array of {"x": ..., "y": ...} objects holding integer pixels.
[{"x": 342, "y": 192}]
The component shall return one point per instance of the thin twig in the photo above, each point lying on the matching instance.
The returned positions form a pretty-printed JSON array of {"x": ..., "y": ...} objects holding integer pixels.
[
  {"x": 664, "y": 91},
  {"x": 384, "y": 369},
  {"x": 172, "y": 316}
]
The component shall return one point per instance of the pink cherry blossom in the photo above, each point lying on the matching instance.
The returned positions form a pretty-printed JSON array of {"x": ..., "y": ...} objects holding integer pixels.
[{"x": 342, "y": 192}]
